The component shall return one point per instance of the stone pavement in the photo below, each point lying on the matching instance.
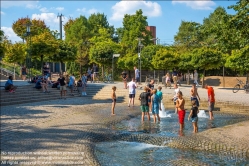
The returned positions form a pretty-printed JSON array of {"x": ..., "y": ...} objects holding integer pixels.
[{"x": 64, "y": 131}]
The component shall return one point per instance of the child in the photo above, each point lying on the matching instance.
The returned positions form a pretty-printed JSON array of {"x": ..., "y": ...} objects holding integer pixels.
[
  {"x": 175, "y": 95},
  {"x": 113, "y": 96},
  {"x": 167, "y": 81},
  {"x": 193, "y": 114},
  {"x": 156, "y": 106},
  {"x": 159, "y": 93},
  {"x": 144, "y": 97},
  {"x": 180, "y": 102},
  {"x": 84, "y": 81}
]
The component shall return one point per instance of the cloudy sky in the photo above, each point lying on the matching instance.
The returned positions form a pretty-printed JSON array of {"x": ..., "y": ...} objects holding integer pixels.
[{"x": 165, "y": 15}]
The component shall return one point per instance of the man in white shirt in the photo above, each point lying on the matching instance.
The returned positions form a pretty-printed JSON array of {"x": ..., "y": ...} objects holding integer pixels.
[
  {"x": 132, "y": 91},
  {"x": 71, "y": 83},
  {"x": 196, "y": 78},
  {"x": 137, "y": 75}
]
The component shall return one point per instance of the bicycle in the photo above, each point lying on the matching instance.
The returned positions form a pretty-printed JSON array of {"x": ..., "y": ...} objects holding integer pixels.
[
  {"x": 108, "y": 78},
  {"x": 241, "y": 84}
]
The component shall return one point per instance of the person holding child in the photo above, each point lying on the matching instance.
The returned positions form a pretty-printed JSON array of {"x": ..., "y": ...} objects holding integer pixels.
[{"x": 193, "y": 115}]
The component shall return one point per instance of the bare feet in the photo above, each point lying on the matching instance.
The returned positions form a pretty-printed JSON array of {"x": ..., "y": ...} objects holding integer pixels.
[{"x": 113, "y": 114}]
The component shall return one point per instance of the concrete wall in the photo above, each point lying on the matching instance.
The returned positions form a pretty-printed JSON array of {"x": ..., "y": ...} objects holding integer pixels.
[{"x": 227, "y": 82}]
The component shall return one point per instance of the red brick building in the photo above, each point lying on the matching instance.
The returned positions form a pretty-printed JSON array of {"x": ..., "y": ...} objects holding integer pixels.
[{"x": 152, "y": 29}]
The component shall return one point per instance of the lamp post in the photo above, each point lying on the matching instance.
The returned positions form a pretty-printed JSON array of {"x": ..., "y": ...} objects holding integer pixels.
[
  {"x": 28, "y": 34},
  {"x": 139, "y": 56},
  {"x": 156, "y": 42}
]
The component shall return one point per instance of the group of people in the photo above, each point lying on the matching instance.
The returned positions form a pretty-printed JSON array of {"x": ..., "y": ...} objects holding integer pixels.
[{"x": 151, "y": 100}]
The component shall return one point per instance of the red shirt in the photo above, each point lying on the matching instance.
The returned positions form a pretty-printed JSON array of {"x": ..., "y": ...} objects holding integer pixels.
[{"x": 210, "y": 91}]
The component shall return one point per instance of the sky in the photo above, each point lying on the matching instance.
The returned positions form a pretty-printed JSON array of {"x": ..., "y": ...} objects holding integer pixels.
[{"x": 165, "y": 15}]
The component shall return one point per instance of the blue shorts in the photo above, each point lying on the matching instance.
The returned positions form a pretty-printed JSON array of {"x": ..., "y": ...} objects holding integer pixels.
[
  {"x": 196, "y": 101},
  {"x": 195, "y": 119},
  {"x": 155, "y": 110},
  {"x": 137, "y": 79}
]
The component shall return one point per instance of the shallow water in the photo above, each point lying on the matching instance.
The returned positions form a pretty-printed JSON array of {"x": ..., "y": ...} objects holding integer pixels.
[
  {"x": 122, "y": 153},
  {"x": 169, "y": 126}
]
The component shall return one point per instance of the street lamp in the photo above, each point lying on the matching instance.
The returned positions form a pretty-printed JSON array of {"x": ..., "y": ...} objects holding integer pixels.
[
  {"x": 139, "y": 56},
  {"x": 28, "y": 34},
  {"x": 156, "y": 41}
]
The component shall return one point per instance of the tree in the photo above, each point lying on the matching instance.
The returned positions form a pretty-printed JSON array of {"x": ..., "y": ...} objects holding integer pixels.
[
  {"x": 43, "y": 46},
  {"x": 37, "y": 27},
  {"x": 206, "y": 58},
  {"x": 15, "y": 53},
  {"x": 1, "y": 44},
  {"x": 166, "y": 58},
  {"x": 185, "y": 63},
  {"x": 134, "y": 27},
  {"x": 65, "y": 52},
  {"x": 239, "y": 60}
]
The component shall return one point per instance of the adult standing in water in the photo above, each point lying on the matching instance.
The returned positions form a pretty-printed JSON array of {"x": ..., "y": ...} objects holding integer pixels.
[
  {"x": 194, "y": 94},
  {"x": 137, "y": 76},
  {"x": 211, "y": 101}
]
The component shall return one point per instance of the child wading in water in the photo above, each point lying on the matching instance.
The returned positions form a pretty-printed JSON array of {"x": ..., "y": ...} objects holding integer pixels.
[
  {"x": 156, "y": 105},
  {"x": 193, "y": 114},
  {"x": 144, "y": 97},
  {"x": 180, "y": 102},
  {"x": 113, "y": 96}
]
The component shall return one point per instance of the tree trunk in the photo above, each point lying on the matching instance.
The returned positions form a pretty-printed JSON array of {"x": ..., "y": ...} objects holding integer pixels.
[
  {"x": 103, "y": 72},
  {"x": 42, "y": 64},
  {"x": 80, "y": 70},
  {"x": 188, "y": 77},
  {"x": 224, "y": 77},
  {"x": 203, "y": 78}
]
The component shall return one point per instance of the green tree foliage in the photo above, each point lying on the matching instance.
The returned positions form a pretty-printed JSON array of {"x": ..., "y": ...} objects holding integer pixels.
[
  {"x": 239, "y": 60},
  {"x": 43, "y": 46},
  {"x": 15, "y": 53},
  {"x": 240, "y": 21},
  {"x": 166, "y": 58},
  {"x": 147, "y": 54},
  {"x": 188, "y": 36},
  {"x": 206, "y": 58},
  {"x": 65, "y": 52},
  {"x": 134, "y": 27},
  {"x": 37, "y": 27},
  {"x": 99, "y": 21},
  {"x": 185, "y": 62},
  {"x": 1, "y": 44},
  {"x": 103, "y": 48}
]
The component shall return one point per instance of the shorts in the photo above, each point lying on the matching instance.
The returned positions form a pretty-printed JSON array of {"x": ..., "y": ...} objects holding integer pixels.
[
  {"x": 8, "y": 87},
  {"x": 181, "y": 116},
  {"x": 194, "y": 119},
  {"x": 24, "y": 73},
  {"x": 137, "y": 79},
  {"x": 196, "y": 101},
  {"x": 144, "y": 108},
  {"x": 63, "y": 88},
  {"x": 83, "y": 84},
  {"x": 71, "y": 86},
  {"x": 155, "y": 110},
  {"x": 211, "y": 106},
  {"x": 131, "y": 96},
  {"x": 114, "y": 100},
  {"x": 175, "y": 79}
]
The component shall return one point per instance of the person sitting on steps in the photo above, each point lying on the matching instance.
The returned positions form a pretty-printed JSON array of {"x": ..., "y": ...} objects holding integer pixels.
[{"x": 9, "y": 85}]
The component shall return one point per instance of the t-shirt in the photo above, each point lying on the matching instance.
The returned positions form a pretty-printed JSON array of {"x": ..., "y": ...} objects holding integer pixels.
[
  {"x": 151, "y": 86},
  {"x": 144, "y": 97},
  {"x": 95, "y": 69},
  {"x": 137, "y": 73},
  {"x": 194, "y": 111},
  {"x": 174, "y": 73},
  {"x": 132, "y": 87},
  {"x": 124, "y": 74},
  {"x": 159, "y": 94},
  {"x": 71, "y": 80},
  {"x": 195, "y": 75},
  {"x": 211, "y": 94},
  {"x": 8, "y": 82},
  {"x": 84, "y": 79},
  {"x": 62, "y": 81}
]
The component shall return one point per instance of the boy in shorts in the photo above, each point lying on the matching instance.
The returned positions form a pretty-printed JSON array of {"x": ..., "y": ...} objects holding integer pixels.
[
  {"x": 144, "y": 97},
  {"x": 193, "y": 114},
  {"x": 180, "y": 102}
]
